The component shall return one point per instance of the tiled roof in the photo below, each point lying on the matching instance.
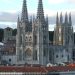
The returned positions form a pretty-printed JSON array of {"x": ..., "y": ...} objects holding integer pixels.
[
  {"x": 37, "y": 69},
  {"x": 60, "y": 68},
  {"x": 23, "y": 69}
]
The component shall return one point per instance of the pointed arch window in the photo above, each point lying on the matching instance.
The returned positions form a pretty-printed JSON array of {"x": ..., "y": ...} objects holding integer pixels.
[
  {"x": 44, "y": 40},
  {"x": 44, "y": 52},
  {"x": 35, "y": 55},
  {"x": 35, "y": 40},
  {"x": 28, "y": 52},
  {"x": 21, "y": 39}
]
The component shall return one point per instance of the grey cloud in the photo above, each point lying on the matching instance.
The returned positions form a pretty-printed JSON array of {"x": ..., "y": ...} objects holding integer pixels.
[
  {"x": 12, "y": 17},
  {"x": 52, "y": 20},
  {"x": 9, "y": 17},
  {"x": 71, "y": 1}
]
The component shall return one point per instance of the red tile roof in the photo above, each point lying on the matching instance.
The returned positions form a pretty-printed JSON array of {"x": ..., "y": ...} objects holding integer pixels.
[
  {"x": 61, "y": 68},
  {"x": 37, "y": 69},
  {"x": 23, "y": 69}
]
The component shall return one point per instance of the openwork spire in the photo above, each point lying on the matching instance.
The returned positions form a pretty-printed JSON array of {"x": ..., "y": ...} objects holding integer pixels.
[
  {"x": 66, "y": 18},
  {"x": 18, "y": 22},
  {"x": 40, "y": 12},
  {"x": 57, "y": 19},
  {"x": 70, "y": 21},
  {"x": 24, "y": 16},
  {"x": 61, "y": 18},
  {"x": 18, "y": 19}
]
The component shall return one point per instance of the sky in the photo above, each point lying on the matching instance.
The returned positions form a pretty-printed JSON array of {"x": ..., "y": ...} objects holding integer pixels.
[{"x": 10, "y": 9}]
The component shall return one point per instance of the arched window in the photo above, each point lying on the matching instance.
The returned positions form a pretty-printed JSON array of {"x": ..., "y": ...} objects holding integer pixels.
[
  {"x": 30, "y": 38},
  {"x": 44, "y": 52},
  {"x": 21, "y": 39},
  {"x": 35, "y": 40},
  {"x": 44, "y": 40},
  {"x": 28, "y": 52},
  {"x": 35, "y": 55}
]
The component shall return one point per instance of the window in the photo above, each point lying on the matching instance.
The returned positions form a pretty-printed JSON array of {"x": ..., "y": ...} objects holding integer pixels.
[
  {"x": 35, "y": 40},
  {"x": 9, "y": 60},
  {"x": 20, "y": 55},
  {"x": 68, "y": 57},
  {"x": 36, "y": 28},
  {"x": 51, "y": 54},
  {"x": 56, "y": 56},
  {"x": 44, "y": 38},
  {"x": 35, "y": 55},
  {"x": 21, "y": 39},
  {"x": 59, "y": 38},
  {"x": 59, "y": 30},
  {"x": 28, "y": 53},
  {"x": 44, "y": 52},
  {"x": 26, "y": 38},
  {"x": 30, "y": 38},
  {"x": 62, "y": 56}
]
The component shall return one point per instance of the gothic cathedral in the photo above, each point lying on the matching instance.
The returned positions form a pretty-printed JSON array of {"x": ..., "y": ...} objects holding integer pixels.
[{"x": 32, "y": 39}]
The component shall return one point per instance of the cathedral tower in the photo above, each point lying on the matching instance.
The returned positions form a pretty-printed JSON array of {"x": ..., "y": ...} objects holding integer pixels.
[
  {"x": 24, "y": 16},
  {"x": 58, "y": 40},
  {"x": 63, "y": 30},
  {"x": 40, "y": 35},
  {"x": 32, "y": 37},
  {"x": 24, "y": 37},
  {"x": 63, "y": 39}
]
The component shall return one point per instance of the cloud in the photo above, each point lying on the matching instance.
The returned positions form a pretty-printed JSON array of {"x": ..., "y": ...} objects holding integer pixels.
[
  {"x": 11, "y": 21},
  {"x": 50, "y": 12},
  {"x": 56, "y": 1},
  {"x": 61, "y": 1},
  {"x": 71, "y": 1},
  {"x": 8, "y": 24},
  {"x": 11, "y": 16},
  {"x": 6, "y": 1},
  {"x": 7, "y": 16}
]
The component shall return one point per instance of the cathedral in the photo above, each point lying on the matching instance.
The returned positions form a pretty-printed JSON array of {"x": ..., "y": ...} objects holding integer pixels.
[{"x": 32, "y": 39}]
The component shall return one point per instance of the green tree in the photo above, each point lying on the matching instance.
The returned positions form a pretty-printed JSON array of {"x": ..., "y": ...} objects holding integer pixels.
[{"x": 1, "y": 34}]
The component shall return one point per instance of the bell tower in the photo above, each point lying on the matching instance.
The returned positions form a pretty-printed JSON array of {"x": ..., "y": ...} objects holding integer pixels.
[{"x": 40, "y": 35}]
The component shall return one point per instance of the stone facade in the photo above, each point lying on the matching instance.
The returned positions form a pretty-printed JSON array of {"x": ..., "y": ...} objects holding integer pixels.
[
  {"x": 63, "y": 39},
  {"x": 63, "y": 33},
  {"x": 32, "y": 39},
  {"x": 60, "y": 54},
  {"x": 7, "y": 34}
]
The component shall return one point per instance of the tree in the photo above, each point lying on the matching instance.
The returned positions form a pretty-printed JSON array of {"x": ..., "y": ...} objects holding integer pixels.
[{"x": 1, "y": 34}]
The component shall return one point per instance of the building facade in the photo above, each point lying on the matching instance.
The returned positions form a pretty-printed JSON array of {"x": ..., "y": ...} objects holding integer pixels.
[
  {"x": 32, "y": 37},
  {"x": 7, "y": 34},
  {"x": 63, "y": 33},
  {"x": 63, "y": 39},
  {"x": 32, "y": 43}
]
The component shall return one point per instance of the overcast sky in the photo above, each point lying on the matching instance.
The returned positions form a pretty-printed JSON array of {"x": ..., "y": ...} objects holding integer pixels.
[{"x": 9, "y": 9}]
